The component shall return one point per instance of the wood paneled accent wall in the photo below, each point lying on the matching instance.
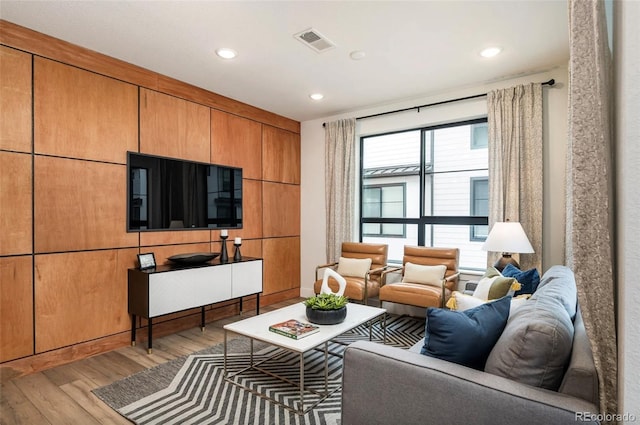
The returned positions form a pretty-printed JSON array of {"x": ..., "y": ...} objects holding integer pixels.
[{"x": 69, "y": 116}]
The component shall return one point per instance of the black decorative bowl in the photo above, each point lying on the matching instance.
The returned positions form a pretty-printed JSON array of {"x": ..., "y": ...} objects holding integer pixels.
[
  {"x": 193, "y": 258},
  {"x": 326, "y": 317}
]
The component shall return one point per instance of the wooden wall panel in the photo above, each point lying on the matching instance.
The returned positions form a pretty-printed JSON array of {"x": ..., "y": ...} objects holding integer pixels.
[
  {"x": 15, "y": 100},
  {"x": 281, "y": 264},
  {"x": 16, "y": 307},
  {"x": 162, "y": 252},
  {"x": 281, "y": 209},
  {"x": 237, "y": 141},
  {"x": 186, "y": 91},
  {"x": 80, "y": 205},
  {"x": 251, "y": 210},
  {"x": 251, "y": 248},
  {"x": 81, "y": 296},
  {"x": 280, "y": 155},
  {"x": 61, "y": 51},
  {"x": 87, "y": 114},
  {"x": 79, "y": 114},
  {"x": 43, "y": 45},
  {"x": 174, "y": 237},
  {"x": 174, "y": 127},
  {"x": 15, "y": 203}
]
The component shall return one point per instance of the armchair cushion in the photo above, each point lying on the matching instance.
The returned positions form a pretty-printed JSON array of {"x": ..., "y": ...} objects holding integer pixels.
[
  {"x": 427, "y": 275},
  {"x": 465, "y": 337},
  {"x": 494, "y": 285},
  {"x": 354, "y": 267}
]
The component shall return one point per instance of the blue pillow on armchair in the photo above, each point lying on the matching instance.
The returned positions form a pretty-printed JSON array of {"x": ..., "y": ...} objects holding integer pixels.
[
  {"x": 528, "y": 279},
  {"x": 465, "y": 337}
]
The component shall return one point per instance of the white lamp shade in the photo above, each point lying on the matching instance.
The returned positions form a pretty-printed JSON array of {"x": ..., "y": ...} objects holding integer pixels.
[{"x": 509, "y": 237}]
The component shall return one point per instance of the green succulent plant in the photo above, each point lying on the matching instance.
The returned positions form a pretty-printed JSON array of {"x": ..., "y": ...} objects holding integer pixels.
[{"x": 326, "y": 302}]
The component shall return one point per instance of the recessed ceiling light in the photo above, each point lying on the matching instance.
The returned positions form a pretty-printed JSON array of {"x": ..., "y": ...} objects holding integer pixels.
[
  {"x": 490, "y": 52},
  {"x": 316, "y": 96},
  {"x": 226, "y": 53}
]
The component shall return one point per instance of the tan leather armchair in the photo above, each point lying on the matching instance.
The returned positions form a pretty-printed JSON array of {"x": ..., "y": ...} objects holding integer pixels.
[
  {"x": 419, "y": 294},
  {"x": 359, "y": 288}
]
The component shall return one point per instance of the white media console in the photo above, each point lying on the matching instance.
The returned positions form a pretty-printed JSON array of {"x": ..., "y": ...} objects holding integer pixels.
[{"x": 169, "y": 289}]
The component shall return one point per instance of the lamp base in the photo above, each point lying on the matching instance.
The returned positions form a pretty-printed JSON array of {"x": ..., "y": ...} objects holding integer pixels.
[{"x": 505, "y": 260}]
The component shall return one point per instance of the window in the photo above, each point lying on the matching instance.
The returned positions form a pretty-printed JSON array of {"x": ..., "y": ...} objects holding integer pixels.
[
  {"x": 479, "y": 206},
  {"x": 383, "y": 201},
  {"x": 426, "y": 187},
  {"x": 479, "y": 136}
]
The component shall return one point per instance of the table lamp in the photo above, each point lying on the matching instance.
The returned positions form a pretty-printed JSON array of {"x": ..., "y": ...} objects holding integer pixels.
[{"x": 507, "y": 237}]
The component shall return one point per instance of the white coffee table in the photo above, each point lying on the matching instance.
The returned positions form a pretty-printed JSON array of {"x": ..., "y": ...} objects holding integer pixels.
[{"x": 257, "y": 328}]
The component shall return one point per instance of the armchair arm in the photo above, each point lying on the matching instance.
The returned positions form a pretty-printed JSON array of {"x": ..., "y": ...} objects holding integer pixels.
[
  {"x": 383, "y": 277},
  {"x": 418, "y": 387},
  {"x": 470, "y": 287},
  {"x": 379, "y": 271},
  {"x": 452, "y": 277}
]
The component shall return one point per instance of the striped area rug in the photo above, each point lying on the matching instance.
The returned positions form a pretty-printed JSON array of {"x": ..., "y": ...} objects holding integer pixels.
[{"x": 191, "y": 390}]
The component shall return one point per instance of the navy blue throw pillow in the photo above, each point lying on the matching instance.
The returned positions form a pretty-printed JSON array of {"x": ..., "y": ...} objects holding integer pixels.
[
  {"x": 529, "y": 279},
  {"x": 465, "y": 337}
]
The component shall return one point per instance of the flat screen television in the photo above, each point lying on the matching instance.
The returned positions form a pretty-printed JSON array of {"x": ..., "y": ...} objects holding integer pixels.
[{"x": 172, "y": 194}]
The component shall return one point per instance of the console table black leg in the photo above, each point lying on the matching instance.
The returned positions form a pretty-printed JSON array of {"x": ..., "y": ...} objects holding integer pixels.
[
  {"x": 202, "y": 318},
  {"x": 240, "y": 306},
  {"x": 133, "y": 330},
  {"x": 257, "y": 304},
  {"x": 150, "y": 347}
]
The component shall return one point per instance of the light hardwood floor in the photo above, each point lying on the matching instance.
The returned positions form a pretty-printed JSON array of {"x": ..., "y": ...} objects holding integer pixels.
[{"x": 62, "y": 395}]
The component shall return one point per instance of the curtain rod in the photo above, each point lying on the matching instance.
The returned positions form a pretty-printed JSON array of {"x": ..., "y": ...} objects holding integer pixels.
[{"x": 550, "y": 83}]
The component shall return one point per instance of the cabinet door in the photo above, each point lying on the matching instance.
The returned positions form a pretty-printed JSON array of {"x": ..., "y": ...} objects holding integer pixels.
[
  {"x": 183, "y": 289},
  {"x": 247, "y": 278}
]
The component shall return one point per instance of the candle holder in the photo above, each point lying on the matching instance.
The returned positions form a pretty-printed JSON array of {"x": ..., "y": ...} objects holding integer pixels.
[
  {"x": 237, "y": 256},
  {"x": 224, "y": 257}
]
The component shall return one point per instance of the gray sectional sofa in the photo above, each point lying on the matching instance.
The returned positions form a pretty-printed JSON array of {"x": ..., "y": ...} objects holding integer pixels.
[{"x": 541, "y": 371}]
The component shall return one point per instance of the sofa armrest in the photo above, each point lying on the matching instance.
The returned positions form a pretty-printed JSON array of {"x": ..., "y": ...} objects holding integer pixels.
[
  {"x": 470, "y": 286},
  {"x": 411, "y": 388}
]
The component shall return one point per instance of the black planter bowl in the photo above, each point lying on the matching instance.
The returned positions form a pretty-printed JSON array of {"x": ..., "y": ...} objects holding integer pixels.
[{"x": 326, "y": 317}]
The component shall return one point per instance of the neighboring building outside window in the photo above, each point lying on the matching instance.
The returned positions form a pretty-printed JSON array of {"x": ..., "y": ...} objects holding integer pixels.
[
  {"x": 479, "y": 136},
  {"x": 383, "y": 201},
  {"x": 479, "y": 206},
  {"x": 444, "y": 197}
]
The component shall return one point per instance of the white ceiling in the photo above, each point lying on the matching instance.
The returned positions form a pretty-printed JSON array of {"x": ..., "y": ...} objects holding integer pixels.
[{"x": 413, "y": 49}]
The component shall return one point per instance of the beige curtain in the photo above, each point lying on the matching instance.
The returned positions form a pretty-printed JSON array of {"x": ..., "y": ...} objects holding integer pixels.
[
  {"x": 590, "y": 175},
  {"x": 515, "y": 163},
  {"x": 339, "y": 177}
]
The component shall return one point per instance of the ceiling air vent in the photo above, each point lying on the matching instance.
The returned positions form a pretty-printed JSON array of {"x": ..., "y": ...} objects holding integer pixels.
[{"x": 313, "y": 39}]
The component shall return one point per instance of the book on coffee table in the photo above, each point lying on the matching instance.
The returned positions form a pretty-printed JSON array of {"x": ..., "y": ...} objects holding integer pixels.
[{"x": 294, "y": 329}]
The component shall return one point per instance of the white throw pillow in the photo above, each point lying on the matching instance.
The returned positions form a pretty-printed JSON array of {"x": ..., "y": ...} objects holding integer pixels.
[
  {"x": 354, "y": 267},
  {"x": 426, "y": 275},
  {"x": 461, "y": 302}
]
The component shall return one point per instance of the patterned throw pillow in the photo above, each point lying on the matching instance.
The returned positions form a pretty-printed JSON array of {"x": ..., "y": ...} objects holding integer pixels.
[{"x": 494, "y": 285}]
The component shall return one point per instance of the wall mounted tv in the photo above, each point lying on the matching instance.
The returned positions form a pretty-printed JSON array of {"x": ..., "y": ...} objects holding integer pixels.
[{"x": 173, "y": 194}]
